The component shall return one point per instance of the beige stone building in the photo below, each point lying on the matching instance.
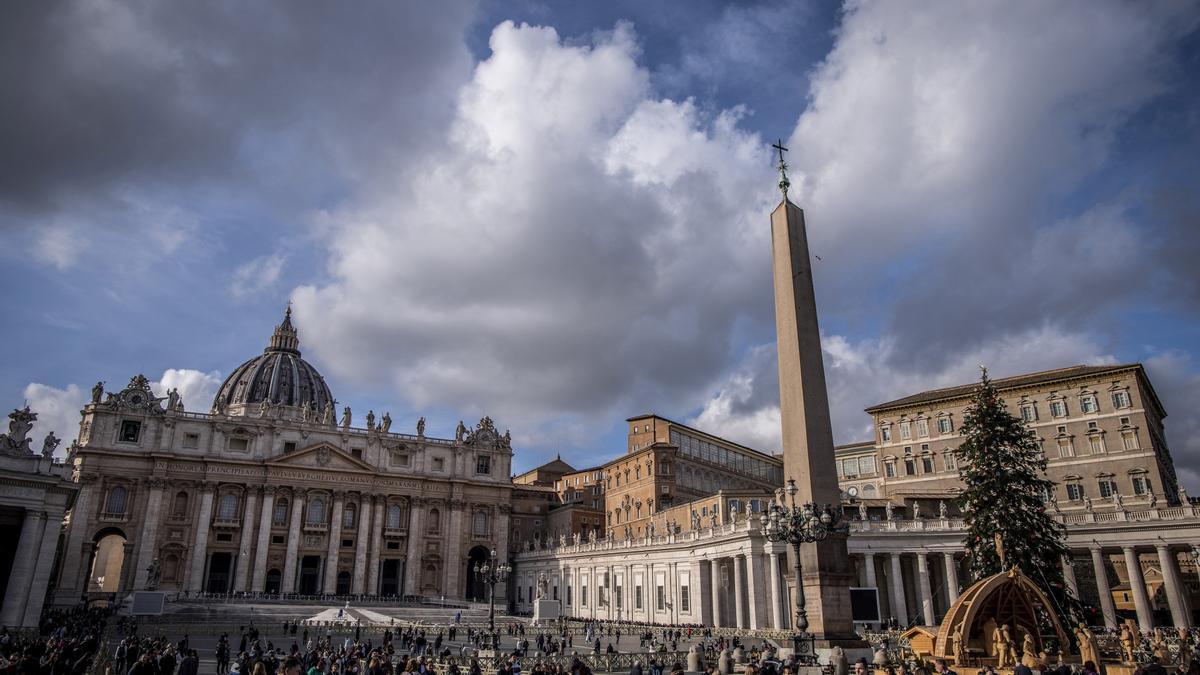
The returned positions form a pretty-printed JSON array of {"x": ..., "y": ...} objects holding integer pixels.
[
  {"x": 271, "y": 491},
  {"x": 1100, "y": 427}
]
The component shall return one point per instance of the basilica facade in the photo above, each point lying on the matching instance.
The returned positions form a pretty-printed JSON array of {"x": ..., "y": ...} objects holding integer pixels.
[{"x": 273, "y": 490}]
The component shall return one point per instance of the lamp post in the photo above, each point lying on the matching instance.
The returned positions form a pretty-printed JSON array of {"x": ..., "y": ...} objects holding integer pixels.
[
  {"x": 493, "y": 572},
  {"x": 796, "y": 525}
]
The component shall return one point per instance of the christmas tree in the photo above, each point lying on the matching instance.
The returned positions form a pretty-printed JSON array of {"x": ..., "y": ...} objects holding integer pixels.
[{"x": 1004, "y": 503}]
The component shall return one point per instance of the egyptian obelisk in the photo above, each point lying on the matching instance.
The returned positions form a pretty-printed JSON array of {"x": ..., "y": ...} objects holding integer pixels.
[{"x": 804, "y": 409}]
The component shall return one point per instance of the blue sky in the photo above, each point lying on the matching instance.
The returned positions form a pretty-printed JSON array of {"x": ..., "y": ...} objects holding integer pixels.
[{"x": 556, "y": 213}]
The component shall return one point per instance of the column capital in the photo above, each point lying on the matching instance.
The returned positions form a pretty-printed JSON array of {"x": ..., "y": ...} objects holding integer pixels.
[
  {"x": 1162, "y": 546},
  {"x": 155, "y": 483},
  {"x": 339, "y": 495},
  {"x": 89, "y": 478},
  {"x": 36, "y": 514},
  {"x": 205, "y": 486},
  {"x": 268, "y": 490}
]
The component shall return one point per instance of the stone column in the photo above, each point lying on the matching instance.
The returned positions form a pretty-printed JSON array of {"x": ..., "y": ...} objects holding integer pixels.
[
  {"x": 869, "y": 578},
  {"x": 377, "y": 526},
  {"x": 776, "y": 597},
  {"x": 454, "y": 537},
  {"x": 923, "y": 590},
  {"x": 1174, "y": 589},
  {"x": 265, "y": 518},
  {"x": 195, "y": 573},
  {"x": 754, "y": 586},
  {"x": 714, "y": 573},
  {"x": 896, "y": 583},
  {"x": 1068, "y": 570},
  {"x": 293, "y": 543},
  {"x": 739, "y": 591},
  {"x": 1103, "y": 589},
  {"x": 412, "y": 560},
  {"x": 24, "y": 564},
  {"x": 1137, "y": 585},
  {"x": 335, "y": 543},
  {"x": 951, "y": 576},
  {"x": 148, "y": 544},
  {"x": 357, "y": 585},
  {"x": 41, "y": 575},
  {"x": 245, "y": 545},
  {"x": 72, "y": 575}
]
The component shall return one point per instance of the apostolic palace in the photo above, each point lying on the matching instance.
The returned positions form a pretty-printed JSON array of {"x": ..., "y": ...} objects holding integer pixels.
[{"x": 274, "y": 491}]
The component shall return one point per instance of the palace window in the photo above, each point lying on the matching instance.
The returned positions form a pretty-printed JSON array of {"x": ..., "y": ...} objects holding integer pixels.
[
  {"x": 1096, "y": 443},
  {"x": 1108, "y": 487},
  {"x": 1120, "y": 399},
  {"x": 1065, "y": 449},
  {"x": 1129, "y": 440},
  {"x": 1087, "y": 404},
  {"x": 115, "y": 503},
  {"x": 348, "y": 516},
  {"x": 227, "y": 509},
  {"x": 483, "y": 464},
  {"x": 927, "y": 463},
  {"x": 1075, "y": 492},
  {"x": 393, "y": 517},
  {"x": 945, "y": 426},
  {"x": 637, "y": 595},
  {"x": 1141, "y": 485},
  {"x": 910, "y": 466},
  {"x": 1058, "y": 408},
  {"x": 905, "y": 431},
  {"x": 316, "y": 510},
  {"x": 923, "y": 428},
  {"x": 685, "y": 598},
  {"x": 889, "y": 469},
  {"x": 660, "y": 596},
  {"x": 949, "y": 460},
  {"x": 885, "y": 434},
  {"x": 1028, "y": 413},
  {"x": 281, "y": 512}
]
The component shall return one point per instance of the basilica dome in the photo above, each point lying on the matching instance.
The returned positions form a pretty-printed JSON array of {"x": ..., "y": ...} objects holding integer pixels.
[{"x": 277, "y": 376}]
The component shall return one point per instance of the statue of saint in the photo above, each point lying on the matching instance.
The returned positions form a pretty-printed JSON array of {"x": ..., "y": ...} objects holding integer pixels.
[
  {"x": 346, "y": 417},
  {"x": 916, "y": 510},
  {"x": 1153, "y": 500},
  {"x": 888, "y": 509},
  {"x": 386, "y": 422},
  {"x": 1087, "y": 504},
  {"x": 153, "y": 573},
  {"x": 327, "y": 414},
  {"x": 862, "y": 511},
  {"x": 50, "y": 445},
  {"x": 543, "y": 584},
  {"x": 172, "y": 399},
  {"x": 942, "y": 509},
  {"x": 1118, "y": 501},
  {"x": 306, "y": 412},
  {"x": 459, "y": 432},
  {"x": 421, "y": 427},
  {"x": 264, "y": 407},
  {"x": 97, "y": 392},
  {"x": 370, "y": 420}
]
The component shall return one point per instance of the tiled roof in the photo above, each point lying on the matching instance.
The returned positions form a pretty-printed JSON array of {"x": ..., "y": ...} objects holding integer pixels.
[{"x": 1027, "y": 380}]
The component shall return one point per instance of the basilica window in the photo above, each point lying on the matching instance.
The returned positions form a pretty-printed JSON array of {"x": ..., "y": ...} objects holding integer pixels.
[
  {"x": 483, "y": 464},
  {"x": 191, "y": 441},
  {"x": 348, "y": 516},
  {"x": 170, "y": 567},
  {"x": 180, "y": 507},
  {"x": 227, "y": 509},
  {"x": 435, "y": 521},
  {"x": 393, "y": 517},
  {"x": 131, "y": 431},
  {"x": 115, "y": 503},
  {"x": 316, "y": 510},
  {"x": 479, "y": 524},
  {"x": 280, "y": 516}
]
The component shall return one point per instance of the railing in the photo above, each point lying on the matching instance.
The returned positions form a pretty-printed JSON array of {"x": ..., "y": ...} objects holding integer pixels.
[
  {"x": 230, "y": 523},
  {"x": 395, "y": 531},
  {"x": 113, "y": 517},
  {"x": 315, "y": 527}
]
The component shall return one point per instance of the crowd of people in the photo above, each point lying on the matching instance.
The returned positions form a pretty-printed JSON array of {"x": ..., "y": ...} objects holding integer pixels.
[{"x": 65, "y": 643}]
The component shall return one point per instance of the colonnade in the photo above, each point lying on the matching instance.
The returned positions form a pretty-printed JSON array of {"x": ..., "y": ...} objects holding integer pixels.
[{"x": 32, "y": 561}]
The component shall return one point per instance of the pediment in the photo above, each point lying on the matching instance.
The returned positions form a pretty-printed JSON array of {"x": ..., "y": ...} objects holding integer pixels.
[{"x": 321, "y": 456}]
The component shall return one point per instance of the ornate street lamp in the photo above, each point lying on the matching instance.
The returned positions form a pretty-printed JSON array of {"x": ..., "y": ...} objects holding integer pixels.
[
  {"x": 492, "y": 571},
  {"x": 796, "y": 525}
]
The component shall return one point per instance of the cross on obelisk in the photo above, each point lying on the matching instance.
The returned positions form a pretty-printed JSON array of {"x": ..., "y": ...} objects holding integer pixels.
[
  {"x": 804, "y": 411},
  {"x": 784, "y": 183}
]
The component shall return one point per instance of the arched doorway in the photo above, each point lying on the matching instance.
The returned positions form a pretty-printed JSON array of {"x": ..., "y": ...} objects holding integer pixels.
[
  {"x": 477, "y": 590},
  {"x": 274, "y": 580},
  {"x": 220, "y": 572},
  {"x": 389, "y": 578},
  {"x": 108, "y": 561},
  {"x": 343, "y": 583},
  {"x": 310, "y": 573}
]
